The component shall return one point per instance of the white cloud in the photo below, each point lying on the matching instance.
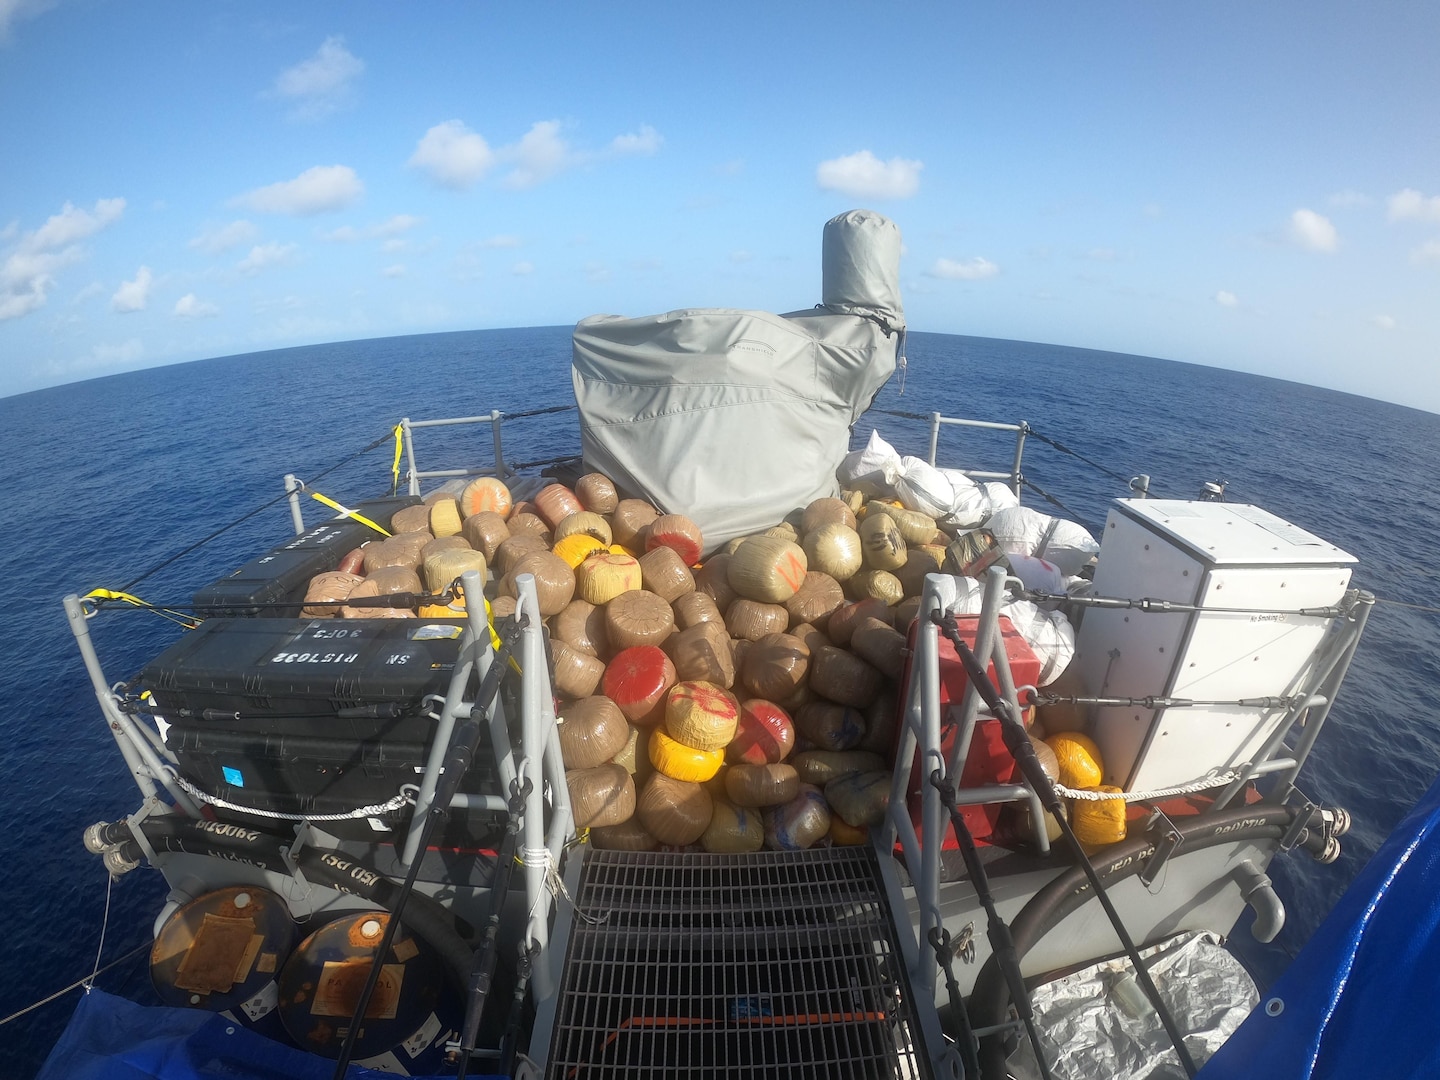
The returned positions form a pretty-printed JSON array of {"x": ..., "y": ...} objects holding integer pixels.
[
  {"x": 126, "y": 352},
  {"x": 1349, "y": 198},
  {"x": 643, "y": 143},
  {"x": 1411, "y": 205},
  {"x": 974, "y": 269},
  {"x": 396, "y": 225},
  {"x": 540, "y": 154},
  {"x": 1426, "y": 252},
  {"x": 27, "y": 273},
  {"x": 1384, "y": 322},
  {"x": 266, "y": 255},
  {"x": 12, "y": 11},
  {"x": 1225, "y": 298},
  {"x": 865, "y": 176},
  {"x": 1312, "y": 231},
  {"x": 316, "y": 190},
  {"x": 501, "y": 242},
  {"x": 190, "y": 306},
  {"x": 520, "y": 269},
  {"x": 218, "y": 239},
  {"x": 398, "y": 270},
  {"x": 133, "y": 295},
  {"x": 345, "y": 234},
  {"x": 740, "y": 256},
  {"x": 321, "y": 84},
  {"x": 394, "y": 244},
  {"x": 453, "y": 155}
]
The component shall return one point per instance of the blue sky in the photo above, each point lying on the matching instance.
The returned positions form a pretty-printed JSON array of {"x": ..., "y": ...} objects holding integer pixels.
[{"x": 1252, "y": 186}]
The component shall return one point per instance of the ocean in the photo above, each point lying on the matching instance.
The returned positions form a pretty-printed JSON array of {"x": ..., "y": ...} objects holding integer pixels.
[{"x": 113, "y": 476}]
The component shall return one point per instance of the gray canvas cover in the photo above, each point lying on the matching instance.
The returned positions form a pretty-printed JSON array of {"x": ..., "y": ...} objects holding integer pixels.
[{"x": 734, "y": 418}]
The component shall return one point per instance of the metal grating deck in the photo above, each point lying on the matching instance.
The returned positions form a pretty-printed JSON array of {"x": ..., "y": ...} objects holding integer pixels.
[{"x": 777, "y": 963}]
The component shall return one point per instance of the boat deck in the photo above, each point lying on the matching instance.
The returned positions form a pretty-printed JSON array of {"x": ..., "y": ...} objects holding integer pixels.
[{"x": 774, "y": 963}]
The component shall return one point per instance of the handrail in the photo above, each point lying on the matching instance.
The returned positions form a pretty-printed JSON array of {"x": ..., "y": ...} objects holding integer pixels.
[{"x": 1015, "y": 478}]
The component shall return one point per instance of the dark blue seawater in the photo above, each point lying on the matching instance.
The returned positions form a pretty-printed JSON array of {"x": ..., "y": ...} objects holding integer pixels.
[{"x": 111, "y": 476}]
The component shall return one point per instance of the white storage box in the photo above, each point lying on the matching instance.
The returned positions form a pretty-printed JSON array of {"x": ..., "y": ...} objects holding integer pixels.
[{"x": 1212, "y": 555}]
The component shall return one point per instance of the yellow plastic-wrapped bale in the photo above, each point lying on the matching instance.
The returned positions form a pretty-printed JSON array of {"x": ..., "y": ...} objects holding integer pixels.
[
  {"x": 800, "y": 823},
  {"x": 761, "y": 785},
  {"x": 703, "y": 653},
  {"x": 604, "y": 576},
  {"x": 681, "y": 762},
  {"x": 328, "y": 588},
  {"x": 835, "y": 550},
  {"x": 637, "y": 618},
  {"x": 701, "y": 715},
  {"x": 1078, "y": 758},
  {"x": 733, "y": 830},
  {"x": 675, "y": 812},
  {"x": 581, "y": 625},
  {"x": 882, "y": 543},
  {"x": 877, "y": 585},
  {"x": 664, "y": 573},
  {"x": 767, "y": 569},
  {"x": 486, "y": 494},
  {"x": 915, "y": 527},
  {"x": 592, "y": 731},
  {"x": 577, "y": 675},
  {"x": 604, "y": 795},
  {"x": 440, "y": 568},
  {"x": 445, "y": 517},
  {"x": 775, "y": 666},
  {"x": 578, "y": 547},
  {"x": 1098, "y": 821},
  {"x": 597, "y": 493},
  {"x": 634, "y": 756}
]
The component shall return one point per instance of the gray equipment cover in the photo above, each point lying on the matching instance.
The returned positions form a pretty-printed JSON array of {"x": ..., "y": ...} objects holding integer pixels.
[{"x": 735, "y": 418}]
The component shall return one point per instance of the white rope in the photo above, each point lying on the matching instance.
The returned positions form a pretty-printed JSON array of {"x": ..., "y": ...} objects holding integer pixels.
[
  {"x": 1210, "y": 780},
  {"x": 89, "y": 983},
  {"x": 405, "y": 798},
  {"x": 555, "y": 883}
]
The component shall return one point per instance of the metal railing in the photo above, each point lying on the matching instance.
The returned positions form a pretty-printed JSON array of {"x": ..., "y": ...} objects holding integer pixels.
[
  {"x": 495, "y": 418},
  {"x": 1014, "y": 478}
]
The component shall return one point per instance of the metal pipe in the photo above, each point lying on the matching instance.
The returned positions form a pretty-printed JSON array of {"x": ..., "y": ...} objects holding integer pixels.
[
  {"x": 145, "y": 766},
  {"x": 297, "y": 517},
  {"x": 1015, "y": 473},
  {"x": 932, "y": 814},
  {"x": 985, "y": 635},
  {"x": 935, "y": 419},
  {"x": 500, "y": 469},
  {"x": 535, "y": 696},
  {"x": 406, "y": 426},
  {"x": 454, "y": 420}
]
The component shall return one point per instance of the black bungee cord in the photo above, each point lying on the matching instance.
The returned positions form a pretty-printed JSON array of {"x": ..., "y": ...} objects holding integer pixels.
[{"x": 1018, "y": 743}]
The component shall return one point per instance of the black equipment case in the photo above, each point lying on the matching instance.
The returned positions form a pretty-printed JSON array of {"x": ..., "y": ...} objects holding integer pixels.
[
  {"x": 280, "y": 576},
  {"x": 309, "y": 716}
]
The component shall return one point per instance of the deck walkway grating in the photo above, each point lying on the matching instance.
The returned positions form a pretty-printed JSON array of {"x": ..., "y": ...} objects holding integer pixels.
[{"x": 768, "y": 964}]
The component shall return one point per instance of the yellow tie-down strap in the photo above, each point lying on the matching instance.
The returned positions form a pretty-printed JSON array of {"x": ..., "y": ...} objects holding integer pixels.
[
  {"x": 348, "y": 512},
  {"x": 187, "y": 621}
]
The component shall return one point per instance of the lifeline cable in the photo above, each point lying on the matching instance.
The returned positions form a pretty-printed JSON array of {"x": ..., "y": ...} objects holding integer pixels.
[{"x": 245, "y": 517}]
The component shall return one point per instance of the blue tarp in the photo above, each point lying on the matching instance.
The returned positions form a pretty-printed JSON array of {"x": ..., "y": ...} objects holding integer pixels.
[
  {"x": 110, "y": 1038},
  {"x": 1360, "y": 998}
]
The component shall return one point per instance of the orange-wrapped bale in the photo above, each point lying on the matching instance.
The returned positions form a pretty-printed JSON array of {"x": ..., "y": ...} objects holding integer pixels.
[
  {"x": 637, "y": 680},
  {"x": 486, "y": 494},
  {"x": 764, "y": 734}
]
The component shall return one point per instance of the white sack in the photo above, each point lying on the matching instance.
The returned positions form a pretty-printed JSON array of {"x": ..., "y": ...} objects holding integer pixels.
[
  {"x": 1023, "y": 531},
  {"x": 1000, "y": 496},
  {"x": 1037, "y": 574},
  {"x": 920, "y": 486},
  {"x": 878, "y": 463}
]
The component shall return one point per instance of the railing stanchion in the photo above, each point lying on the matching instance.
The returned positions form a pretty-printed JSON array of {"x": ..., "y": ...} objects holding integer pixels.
[
  {"x": 500, "y": 469},
  {"x": 1015, "y": 474},
  {"x": 410, "y": 456},
  {"x": 934, "y": 436},
  {"x": 297, "y": 517}
]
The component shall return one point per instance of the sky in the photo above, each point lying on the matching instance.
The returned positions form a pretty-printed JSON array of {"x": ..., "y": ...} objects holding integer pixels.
[{"x": 1249, "y": 186}]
